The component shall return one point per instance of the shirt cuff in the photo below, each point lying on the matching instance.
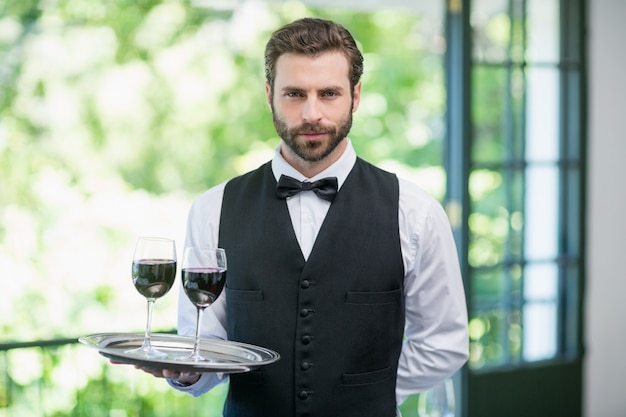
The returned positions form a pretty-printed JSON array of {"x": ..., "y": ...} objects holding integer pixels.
[{"x": 207, "y": 382}]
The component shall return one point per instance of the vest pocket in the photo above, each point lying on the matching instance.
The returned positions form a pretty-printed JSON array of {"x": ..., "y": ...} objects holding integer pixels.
[
  {"x": 365, "y": 378},
  {"x": 373, "y": 297},
  {"x": 244, "y": 296}
]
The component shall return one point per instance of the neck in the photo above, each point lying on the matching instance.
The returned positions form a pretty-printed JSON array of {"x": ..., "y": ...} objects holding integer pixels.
[{"x": 310, "y": 169}]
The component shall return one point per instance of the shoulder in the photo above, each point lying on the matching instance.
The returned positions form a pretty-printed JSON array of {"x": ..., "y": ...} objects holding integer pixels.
[
  {"x": 253, "y": 176},
  {"x": 380, "y": 179},
  {"x": 211, "y": 194},
  {"x": 211, "y": 199},
  {"x": 208, "y": 201},
  {"x": 414, "y": 195},
  {"x": 203, "y": 217},
  {"x": 417, "y": 206},
  {"x": 367, "y": 166}
]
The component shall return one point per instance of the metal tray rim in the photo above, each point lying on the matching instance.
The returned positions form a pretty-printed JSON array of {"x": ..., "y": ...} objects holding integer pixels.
[{"x": 243, "y": 357}]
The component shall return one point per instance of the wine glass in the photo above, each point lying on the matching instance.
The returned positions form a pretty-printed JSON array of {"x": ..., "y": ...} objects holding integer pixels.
[
  {"x": 438, "y": 401},
  {"x": 153, "y": 272},
  {"x": 204, "y": 276}
]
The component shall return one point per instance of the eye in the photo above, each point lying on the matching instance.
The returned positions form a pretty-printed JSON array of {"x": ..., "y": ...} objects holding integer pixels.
[
  {"x": 293, "y": 94},
  {"x": 330, "y": 94}
]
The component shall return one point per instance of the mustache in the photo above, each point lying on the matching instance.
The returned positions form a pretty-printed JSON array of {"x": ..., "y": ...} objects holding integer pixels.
[{"x": 309, "y": 128}]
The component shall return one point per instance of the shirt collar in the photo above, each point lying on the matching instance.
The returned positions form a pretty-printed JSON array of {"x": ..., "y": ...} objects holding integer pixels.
[{"x": 340, "y": 169}]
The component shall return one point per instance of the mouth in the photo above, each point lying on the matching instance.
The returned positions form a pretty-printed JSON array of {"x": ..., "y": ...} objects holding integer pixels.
[{"x": 312, "y": 136}]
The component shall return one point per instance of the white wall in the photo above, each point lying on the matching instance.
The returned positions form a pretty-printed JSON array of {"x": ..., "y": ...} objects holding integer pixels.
[{"x": 605, "y": 366}]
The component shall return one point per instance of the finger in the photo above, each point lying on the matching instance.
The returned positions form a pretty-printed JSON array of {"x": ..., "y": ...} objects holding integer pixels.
[
  {"x": 169, "y": 373},
  {"x": 189, "y": 377},
  {"x": 159, "y": 373}
]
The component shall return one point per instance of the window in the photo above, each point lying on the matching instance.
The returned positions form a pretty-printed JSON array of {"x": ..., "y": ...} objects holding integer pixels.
[{"x": 515, "y": 170}]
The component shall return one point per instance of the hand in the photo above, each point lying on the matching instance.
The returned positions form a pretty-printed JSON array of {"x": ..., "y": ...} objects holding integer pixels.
[{"x": 183, "y": 378}]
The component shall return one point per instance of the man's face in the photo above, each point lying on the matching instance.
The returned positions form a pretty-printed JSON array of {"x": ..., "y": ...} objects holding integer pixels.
[{"x": 312, "y": 103}]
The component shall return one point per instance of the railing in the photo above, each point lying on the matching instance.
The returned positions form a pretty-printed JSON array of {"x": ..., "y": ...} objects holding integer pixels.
[{"x": 60, "y": 378}]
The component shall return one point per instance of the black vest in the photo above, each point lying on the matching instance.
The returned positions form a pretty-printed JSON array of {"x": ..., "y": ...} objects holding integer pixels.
[{"x": 337, "y": 320}]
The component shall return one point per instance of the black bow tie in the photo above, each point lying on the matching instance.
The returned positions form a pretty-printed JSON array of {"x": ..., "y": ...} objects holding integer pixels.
[{"x": 326, "y": 188}]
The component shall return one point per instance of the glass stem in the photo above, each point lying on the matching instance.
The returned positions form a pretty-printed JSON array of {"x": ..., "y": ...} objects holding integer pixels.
[
  {"x": 195, "y": 355},
  {"x": 147, "y": 345}
]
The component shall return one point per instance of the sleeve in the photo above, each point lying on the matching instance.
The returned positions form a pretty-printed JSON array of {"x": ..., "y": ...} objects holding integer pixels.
[
  {"x": 436, "y": 333},
  {"x": 207, "y": 382},
  {"x": 203, "y": 230}
]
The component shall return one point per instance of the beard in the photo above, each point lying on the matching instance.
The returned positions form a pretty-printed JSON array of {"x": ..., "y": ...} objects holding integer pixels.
[{"x": 312, "y": 151}]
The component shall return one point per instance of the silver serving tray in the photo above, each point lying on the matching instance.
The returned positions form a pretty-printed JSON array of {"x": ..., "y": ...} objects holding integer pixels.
[{"x": 225, "y": 356}]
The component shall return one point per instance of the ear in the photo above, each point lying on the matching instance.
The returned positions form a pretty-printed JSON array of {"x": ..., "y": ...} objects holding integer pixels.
[
  {"x": 268, "y": 93},
  {"x": 356, "y": 97}
]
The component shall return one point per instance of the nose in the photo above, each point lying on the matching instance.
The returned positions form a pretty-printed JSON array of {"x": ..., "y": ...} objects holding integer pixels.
[{"x": 311, "y": 112}]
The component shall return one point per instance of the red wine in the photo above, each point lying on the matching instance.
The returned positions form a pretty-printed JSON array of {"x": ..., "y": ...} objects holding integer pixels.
[
  {"x": 153, "y": 278},
  {"x": 203, "y": 285}
]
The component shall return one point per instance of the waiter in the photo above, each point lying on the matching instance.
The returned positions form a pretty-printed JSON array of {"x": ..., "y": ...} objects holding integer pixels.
[{"x": 348, "y": 272}]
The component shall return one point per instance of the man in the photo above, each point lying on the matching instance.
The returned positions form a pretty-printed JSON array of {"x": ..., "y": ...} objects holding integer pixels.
[{"x": 359, "y": 291}]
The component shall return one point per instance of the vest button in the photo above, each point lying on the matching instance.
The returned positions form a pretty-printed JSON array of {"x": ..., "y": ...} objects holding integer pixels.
[
  {"x": 305, "y": 365},
  {"x": 304, "y": 312},
  {"x": 306, "y": 339},
  {"x": 305, "y": 284},
  {"x": 303, "y": 395}
]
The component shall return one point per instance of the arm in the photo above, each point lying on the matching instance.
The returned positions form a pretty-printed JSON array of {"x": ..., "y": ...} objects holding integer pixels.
[
  {"x": 436, "y": 333},
  {"x": 202, "y": 230}
]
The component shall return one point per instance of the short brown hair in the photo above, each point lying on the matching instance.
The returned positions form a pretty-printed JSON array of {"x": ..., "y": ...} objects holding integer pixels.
[{"x": 312, "y": 36}]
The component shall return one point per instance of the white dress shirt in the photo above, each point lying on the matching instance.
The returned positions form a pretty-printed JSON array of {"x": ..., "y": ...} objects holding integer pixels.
[{"x": 436, "y": 336}]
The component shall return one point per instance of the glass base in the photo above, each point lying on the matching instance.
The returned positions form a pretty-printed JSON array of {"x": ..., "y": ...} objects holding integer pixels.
[
  {"x": 193, "y": 357},
  {"x": 147, "y": 353}
]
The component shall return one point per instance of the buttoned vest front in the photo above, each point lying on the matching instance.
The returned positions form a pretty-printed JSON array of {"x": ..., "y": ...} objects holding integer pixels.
[{"x": 337, "y": 319}]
